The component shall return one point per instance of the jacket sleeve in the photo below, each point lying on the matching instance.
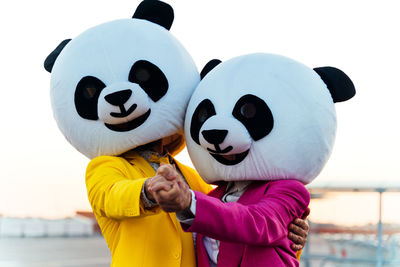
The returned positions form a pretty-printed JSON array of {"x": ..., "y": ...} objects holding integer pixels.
[
  {"x": 113, "y": 190},
  {"x": 261, "y": 223}
]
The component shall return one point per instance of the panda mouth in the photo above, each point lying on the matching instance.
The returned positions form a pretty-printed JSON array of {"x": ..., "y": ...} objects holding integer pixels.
[
  {"x": 130, "y": 125},
  {"x": 232, "y": 159},
  {"x": 124, "y": 113}
]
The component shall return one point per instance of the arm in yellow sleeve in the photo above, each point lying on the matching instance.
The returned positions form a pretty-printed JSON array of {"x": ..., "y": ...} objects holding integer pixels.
[{"x": 114, "y": 188}]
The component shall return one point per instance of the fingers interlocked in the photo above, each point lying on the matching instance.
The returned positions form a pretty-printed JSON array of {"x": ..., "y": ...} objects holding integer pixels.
[{"x": 169, "y": 189}]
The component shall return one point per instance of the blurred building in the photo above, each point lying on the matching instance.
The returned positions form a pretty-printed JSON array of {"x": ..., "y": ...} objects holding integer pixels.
[{"x": 82, "y": 224}]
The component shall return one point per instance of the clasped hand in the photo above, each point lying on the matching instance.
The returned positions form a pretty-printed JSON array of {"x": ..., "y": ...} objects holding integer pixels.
[{"x": 169, "y": 189}]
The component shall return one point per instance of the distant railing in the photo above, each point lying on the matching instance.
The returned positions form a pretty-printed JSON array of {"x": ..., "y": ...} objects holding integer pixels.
[
  {"x": 344, "y": 249},
  {"x": 325, "y": 259}
]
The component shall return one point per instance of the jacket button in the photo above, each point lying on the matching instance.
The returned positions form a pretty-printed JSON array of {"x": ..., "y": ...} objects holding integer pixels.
[{"x": 177, "y": 255}]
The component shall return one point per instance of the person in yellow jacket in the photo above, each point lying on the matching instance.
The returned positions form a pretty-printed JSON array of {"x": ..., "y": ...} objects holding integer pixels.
[
  {"x": 119, "y": 92},
  {"x": 138, "y": 233}
]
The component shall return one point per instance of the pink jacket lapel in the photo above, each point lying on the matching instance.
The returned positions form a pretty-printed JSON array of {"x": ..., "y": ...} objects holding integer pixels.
[
  {"x": 230, "y": 254},
  {"x": 202, "y": 256}
]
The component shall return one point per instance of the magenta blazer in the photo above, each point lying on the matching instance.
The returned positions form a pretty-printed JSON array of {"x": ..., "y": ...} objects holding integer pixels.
[{"x": 253, "y": 231}]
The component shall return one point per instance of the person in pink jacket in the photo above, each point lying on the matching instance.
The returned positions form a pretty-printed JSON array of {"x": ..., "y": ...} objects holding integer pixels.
[{"x": 259, "y": 126}]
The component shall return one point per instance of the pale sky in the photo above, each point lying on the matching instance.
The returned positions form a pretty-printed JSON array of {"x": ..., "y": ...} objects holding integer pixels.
[{"x": 43, "y": 175}]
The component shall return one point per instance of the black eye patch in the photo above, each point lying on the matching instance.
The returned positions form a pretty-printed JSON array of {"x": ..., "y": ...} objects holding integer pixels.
[
  {"x": 203, "y": 112},
  {"x": 255, "y": 115},
  {"x": 86, "y": 97},
  {"x": 150, "y": 78}
]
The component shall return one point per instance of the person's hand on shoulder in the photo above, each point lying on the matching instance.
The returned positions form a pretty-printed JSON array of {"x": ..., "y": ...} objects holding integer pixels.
[{"x": 298, "y": 231}]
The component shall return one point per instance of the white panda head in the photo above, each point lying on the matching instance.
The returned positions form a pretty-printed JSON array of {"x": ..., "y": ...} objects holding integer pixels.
[
  {"x": 122, "y": 84},
  {"x": 263, "y": 117}
]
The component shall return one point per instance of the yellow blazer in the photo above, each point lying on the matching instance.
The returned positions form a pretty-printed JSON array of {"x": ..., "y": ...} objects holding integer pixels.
[{"x": 137, "y": 236}]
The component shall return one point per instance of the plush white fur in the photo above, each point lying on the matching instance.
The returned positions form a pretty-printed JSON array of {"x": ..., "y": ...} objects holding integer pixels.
[
  {"x": 108, "y": 52},
  {"x": 304, "y": 129}
]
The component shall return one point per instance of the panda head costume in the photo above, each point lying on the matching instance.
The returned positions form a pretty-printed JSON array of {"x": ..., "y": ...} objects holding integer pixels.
[
  {"x": 122, "y": 84},
  {"x": 263, "y": 117}
]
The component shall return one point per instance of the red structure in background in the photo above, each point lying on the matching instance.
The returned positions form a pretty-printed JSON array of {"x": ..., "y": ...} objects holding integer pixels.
[{"x": 90, "y": 215}]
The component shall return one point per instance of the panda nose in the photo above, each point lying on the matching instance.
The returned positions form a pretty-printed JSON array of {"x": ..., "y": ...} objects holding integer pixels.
[
  {"x": 214, "y": 136},
  {"x": 118, "y": 98}
]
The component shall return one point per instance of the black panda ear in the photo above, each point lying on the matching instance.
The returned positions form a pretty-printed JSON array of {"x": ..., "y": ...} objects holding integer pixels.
[
  {"x": 338, "y": 83},
  {"x": 208, "y": 67},
  {"x": 50, "y": 59},
  {"x": 155, "y": 11}
]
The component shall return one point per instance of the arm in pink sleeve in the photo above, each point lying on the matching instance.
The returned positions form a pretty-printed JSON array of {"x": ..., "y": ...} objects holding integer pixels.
[{"x": 261, "y": 223}]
